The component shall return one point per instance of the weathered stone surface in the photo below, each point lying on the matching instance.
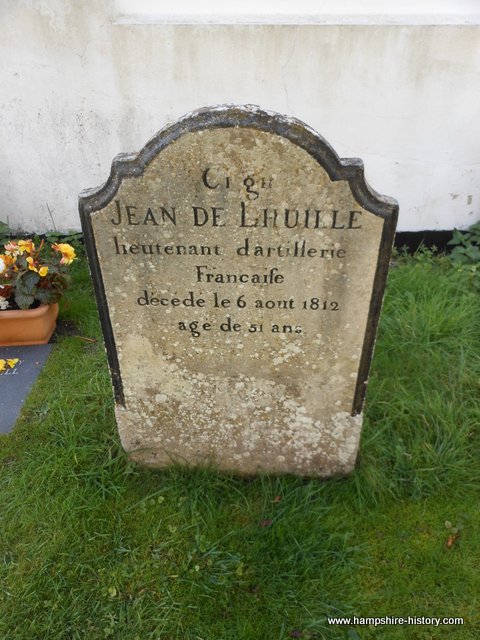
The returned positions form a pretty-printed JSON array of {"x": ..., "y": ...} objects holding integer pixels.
[{"x": 239, "y": 268}]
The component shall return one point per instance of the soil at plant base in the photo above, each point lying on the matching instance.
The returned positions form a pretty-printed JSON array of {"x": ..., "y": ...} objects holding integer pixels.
[
  {"x": 13, "y": 306},
  {"x": 64, "y": 328}
]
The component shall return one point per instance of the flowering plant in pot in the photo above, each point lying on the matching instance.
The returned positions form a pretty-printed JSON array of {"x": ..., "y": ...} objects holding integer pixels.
[{"x": 32, "y": 280}]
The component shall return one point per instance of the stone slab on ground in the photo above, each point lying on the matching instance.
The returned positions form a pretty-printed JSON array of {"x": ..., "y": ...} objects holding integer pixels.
[{"x": 15, "y": 383}]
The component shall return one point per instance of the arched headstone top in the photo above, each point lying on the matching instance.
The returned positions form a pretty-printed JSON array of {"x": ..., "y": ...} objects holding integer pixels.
[{"x": 249, "y": 116}]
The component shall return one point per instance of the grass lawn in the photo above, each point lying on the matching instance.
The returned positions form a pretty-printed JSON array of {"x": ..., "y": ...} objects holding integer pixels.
[{"x": 95, "y": 547}]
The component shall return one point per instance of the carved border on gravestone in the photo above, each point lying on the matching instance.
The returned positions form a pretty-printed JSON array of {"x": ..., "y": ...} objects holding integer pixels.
[{"x": 250, "y": 116}]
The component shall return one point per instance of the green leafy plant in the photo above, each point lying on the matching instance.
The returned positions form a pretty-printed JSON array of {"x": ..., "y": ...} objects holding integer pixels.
[
  {"x": 5, "y": 232},
  {"x": 74, "y": 238},
  {"x": 32, "y": 275},
  {"x": 465, "y": 254}
]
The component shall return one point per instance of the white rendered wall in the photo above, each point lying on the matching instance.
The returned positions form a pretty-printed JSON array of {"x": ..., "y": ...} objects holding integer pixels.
[{"x": 83, "y": 80}]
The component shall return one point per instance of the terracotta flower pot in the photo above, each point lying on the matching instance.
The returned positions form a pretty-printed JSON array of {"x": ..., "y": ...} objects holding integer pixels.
[{"x": 31, "y": 326}]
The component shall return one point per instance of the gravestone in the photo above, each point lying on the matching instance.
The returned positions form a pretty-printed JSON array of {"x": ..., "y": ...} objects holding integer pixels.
[{"x": 239, "y": 268}]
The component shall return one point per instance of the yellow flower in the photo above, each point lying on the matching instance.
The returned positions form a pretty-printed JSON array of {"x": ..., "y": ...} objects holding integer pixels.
[
  {"x": 3, "y": 365},
  {"x": 42, "y": 272},
  {"x": 68, "y": 252},
  {"x": 26, "y": 245},
  {"x": 12, "y": 362},
  {"x": 31, "y": 264}
]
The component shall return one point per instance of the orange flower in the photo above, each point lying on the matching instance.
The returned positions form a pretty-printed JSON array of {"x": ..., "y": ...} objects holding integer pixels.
[
  {"x": 5, "y": 262},
  {"x": 11, "y": 249}
]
